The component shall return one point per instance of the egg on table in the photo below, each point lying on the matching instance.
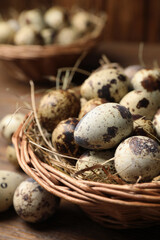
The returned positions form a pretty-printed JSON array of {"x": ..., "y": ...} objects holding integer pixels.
[
  {"x": 33, "y": 203},
  {"x": 9, "y": 124},
  {"x": 137, "y": 158},
  {"x": 56, "y": 106},
  {"x": 109, "y": 84},
  {"x": 8, "y": 183},
  {"x": 141, "y": 103},
  {"x": 104, "y": 126}
]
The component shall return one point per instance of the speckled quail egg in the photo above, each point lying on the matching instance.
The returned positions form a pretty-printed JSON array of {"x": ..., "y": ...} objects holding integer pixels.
[
  {"x": 92, "y": 158},
  {"x": 6, "y": 33},
  {"x": 9, "y": 124},
  {"x": 156, "y": 122},
  {"x": 82, "y": 21},
  {"x": 130, "y": 71},
  {"x": 112, "y": 65},
  {"x": 137, "y": 158},
  {"x": 33, "y": 203},
  {"x": 63, "y": 138},
  {"x": 33, "y": 18},
  {"x": 8, "y": 183},
  {"x": 107, "y": 83},
  {"x": 27, "y": 36},
  {"x": 147, "y": 79},
  {"x": 57, "y": 105},
  {"x": 66, "y": 35},
  {"x": 104, "y": 126},
  {"x": 11, "y": 155},
  {"x": 141, "y": 103},
  {"x": 91, "y": 104},
  {"x": 55, "y": 17},
  {"x": 144, "y": 127},
  {"x": 48, "y": 35}
]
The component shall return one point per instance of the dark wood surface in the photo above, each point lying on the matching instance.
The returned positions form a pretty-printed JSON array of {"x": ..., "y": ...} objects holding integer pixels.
[
  {"x": 69, "y": 222},
  {"x": 128, "y": 20}
]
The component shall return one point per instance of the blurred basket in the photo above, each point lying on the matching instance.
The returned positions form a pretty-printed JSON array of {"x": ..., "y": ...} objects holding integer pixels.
[
  {"x": 111, "y": 205},
  {"x": 37, "y": 62}
]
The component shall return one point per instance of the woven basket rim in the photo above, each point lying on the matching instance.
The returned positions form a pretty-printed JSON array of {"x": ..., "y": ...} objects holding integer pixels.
[
  {"x": 11, "y": 52},
  {"x": 89, "y": 195}
]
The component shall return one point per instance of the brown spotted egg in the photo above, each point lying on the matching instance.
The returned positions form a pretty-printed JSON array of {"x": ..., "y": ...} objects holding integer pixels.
[
  {"x": 109, "y": 84},
  {"x": 63, "y": 138},
  {"x": 104, "y": 126},
  {"x": 137, "y": 158},
  {"x": 33, "y": 203},
  {"x": 9, "y": 181},
  {"x": 156, "y": 122},
  {"x": 89, "y": 105},
  {"x": 147, "y": 79},
  {"x": 141, "y": 103},
  {"x": 92, "y": 158},
  {"x": 144, "y": 127},
  {"x": 57, "y": 105}
]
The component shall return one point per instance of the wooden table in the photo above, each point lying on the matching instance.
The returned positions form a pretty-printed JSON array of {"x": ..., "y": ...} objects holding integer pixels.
[{"x": 69, "y": 222}]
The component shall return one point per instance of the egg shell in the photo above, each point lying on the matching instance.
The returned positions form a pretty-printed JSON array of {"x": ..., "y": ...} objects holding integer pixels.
[
  {"x": 144, "y": 127},
  {"x": 63, "y": 137},
  {"x": 89, "y": 105},
  {"x": 66, "y": 35},
  {"x": 111, "y": 65},
  {"x": 55, "y": 17},
  {"x": 91, "y": 158},
  {"x": 33, "y": 203},
  {"x": 141, "y": 103},
  {"x": 57, "y": 105},
  {"x": 104, "y": 126},
  {"x": 136, "y": 158},
  {"x": 156, "y": 122},
  {"x": 130, "y": 71},
  {"x": 6, "y": 33},
  {"x": 147, "y": 79},
  {"x": 107, "y": 83},
  {"x": 8, "y": 183},
  {"x": 9, "y": 124},
  {"x": 11, "y": 155}
]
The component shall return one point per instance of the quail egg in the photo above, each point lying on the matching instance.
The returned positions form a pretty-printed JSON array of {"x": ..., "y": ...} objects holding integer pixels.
[
  {"x": 48, "y": 35},
  {"x": 104, "y": 126},
  {"x": 33, "y": 18},
  {"x": 156, "y": 122},
  {"x": 141, "y": 103},
  {"x": 137, "y": 158},
  {"x": 6, "y": 33},
  {"x": 130, "y": 71},
  {"x": 89, "y": 105},
  {"x": 11, "y": 155},
  {"x": 9, "y": 124},
  {"x": 8, "y": 183},
  {"x": 107, "y": 83},
  {"x": 55, "y": 17},
  {"x": 92, "y": 158},
  {"x": 27, "y": 36},
  {"x": 63, "y": 138},
  {"x": 33, "y": 203},
  {"x": 66, "y": 35},
  {"x": 57, "y": 105},
  {"x": 144, "y": 127},
  {"x": 147, "y": 79}
]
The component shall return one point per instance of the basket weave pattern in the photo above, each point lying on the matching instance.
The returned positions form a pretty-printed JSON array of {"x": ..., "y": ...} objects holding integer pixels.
[{"x": 112, "y": 205}]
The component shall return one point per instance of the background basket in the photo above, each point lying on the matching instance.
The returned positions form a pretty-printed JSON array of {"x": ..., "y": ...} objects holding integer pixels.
[
  {"x": 112, "y": 205},
  {"x": 37, "y": 62}
]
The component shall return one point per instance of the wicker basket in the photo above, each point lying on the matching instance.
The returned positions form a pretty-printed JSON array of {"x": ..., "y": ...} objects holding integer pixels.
[
  {"x": 111, "y": 205},
  {"x": 37, "y": 62}
]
